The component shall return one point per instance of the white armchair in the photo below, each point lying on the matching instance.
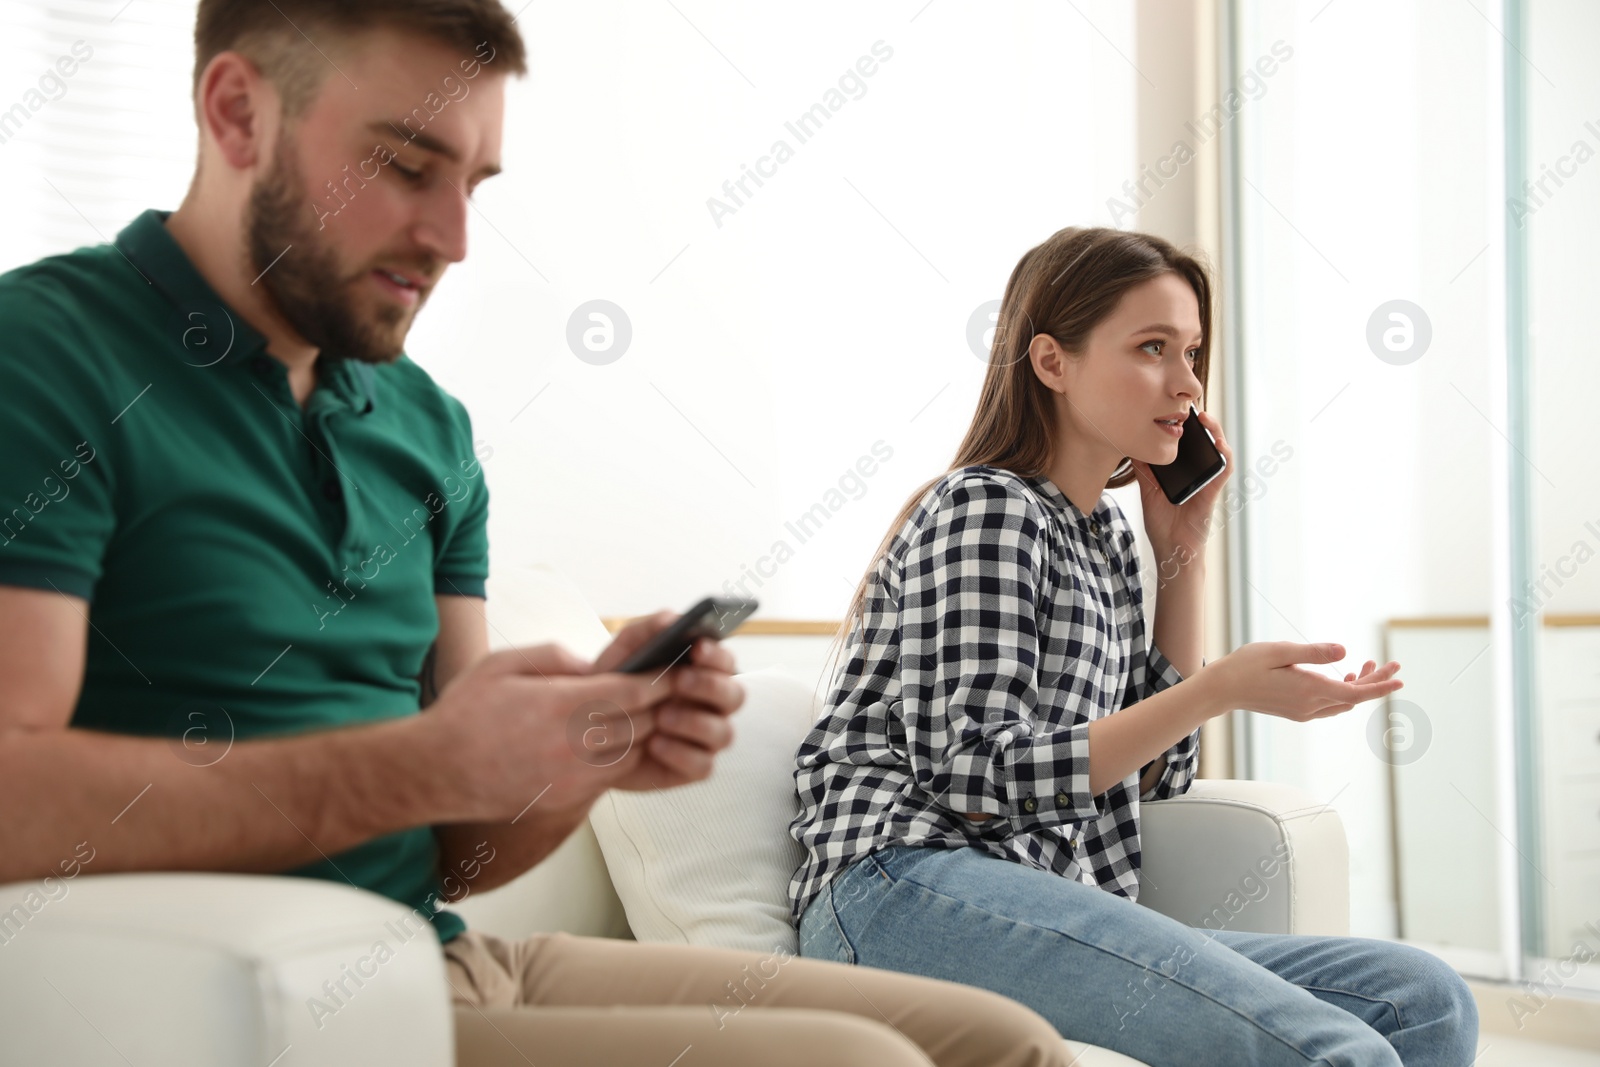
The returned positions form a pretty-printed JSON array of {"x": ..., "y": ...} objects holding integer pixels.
[{"x": 266, "y": 971}]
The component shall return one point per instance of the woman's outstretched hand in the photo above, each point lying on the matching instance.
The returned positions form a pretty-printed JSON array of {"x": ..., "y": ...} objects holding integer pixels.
[{"x": 1264, "y": 676}]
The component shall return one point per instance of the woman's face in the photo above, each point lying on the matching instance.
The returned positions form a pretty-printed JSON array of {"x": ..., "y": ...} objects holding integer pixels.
[{"x": 1137, "y": 367}]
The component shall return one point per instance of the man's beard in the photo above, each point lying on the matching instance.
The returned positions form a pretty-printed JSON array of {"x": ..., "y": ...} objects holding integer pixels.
[{"x": 305, "y": 283}]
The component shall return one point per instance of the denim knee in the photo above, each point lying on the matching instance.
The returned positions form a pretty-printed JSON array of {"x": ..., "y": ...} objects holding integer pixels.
[{"x": 1439, "y": 1001}]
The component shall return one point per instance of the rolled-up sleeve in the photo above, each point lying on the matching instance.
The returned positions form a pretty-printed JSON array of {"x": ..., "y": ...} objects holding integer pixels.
[
  {"x": 1149, "y": 673},
  {"x": 973, "y": 578},
  {"x": 1183, "y": 758}
]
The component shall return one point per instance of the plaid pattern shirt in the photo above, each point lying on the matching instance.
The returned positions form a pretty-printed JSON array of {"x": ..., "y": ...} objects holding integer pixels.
[{"x": 1001, "y": 622}]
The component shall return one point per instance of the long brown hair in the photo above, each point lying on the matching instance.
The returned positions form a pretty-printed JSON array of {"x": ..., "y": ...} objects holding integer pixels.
[{"x": 1063, "y": 287}]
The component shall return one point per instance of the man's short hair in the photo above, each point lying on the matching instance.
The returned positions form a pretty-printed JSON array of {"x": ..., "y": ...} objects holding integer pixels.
[{"x": 291, "y": 41}]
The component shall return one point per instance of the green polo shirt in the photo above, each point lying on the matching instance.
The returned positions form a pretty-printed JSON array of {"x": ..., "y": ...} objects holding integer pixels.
[{"x": 253, "y": 568}]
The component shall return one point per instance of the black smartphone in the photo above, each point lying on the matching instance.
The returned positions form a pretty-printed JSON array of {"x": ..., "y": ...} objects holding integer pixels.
[
  {"x": 1197, "y": 464},
  {"x": 714, "y": 617}
]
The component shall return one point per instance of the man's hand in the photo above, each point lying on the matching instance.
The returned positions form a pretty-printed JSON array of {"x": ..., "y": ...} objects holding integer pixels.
[
  {"x": 531, "y": 737},
  {"x": 518, "y": 725},
  {"x": 542, "y": 721},
  {"x": 552, "y": 660},
  {"x": 691, "y": 724}
]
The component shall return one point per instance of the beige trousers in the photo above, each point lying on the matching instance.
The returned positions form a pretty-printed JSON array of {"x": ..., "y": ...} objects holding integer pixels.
[{"x": 557, "y": 1000}]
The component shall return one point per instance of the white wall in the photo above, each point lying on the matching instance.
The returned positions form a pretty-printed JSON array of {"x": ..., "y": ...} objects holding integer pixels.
[
  {"x": 772, "y": 352},
  {"x": 769, "y": 353}
]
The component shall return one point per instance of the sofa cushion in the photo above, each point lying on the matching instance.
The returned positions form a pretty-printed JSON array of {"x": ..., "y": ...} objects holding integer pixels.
[{"x": 709, "y": 863}]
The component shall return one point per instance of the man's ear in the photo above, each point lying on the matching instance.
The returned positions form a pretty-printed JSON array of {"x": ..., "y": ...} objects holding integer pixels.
[{"x": 235, "y": 105}]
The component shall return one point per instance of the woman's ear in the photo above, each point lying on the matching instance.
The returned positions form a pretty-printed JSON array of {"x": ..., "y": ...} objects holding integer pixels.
[{"x": 1049, "y": 362}]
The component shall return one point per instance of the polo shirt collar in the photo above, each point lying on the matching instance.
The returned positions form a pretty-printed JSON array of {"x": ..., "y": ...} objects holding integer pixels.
[{"x": 201, "y": 317}]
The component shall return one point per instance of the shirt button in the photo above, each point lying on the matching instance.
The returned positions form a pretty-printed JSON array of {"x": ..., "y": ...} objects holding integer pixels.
[
  {"x": 262, "y": 366},
  {"x": 331, "y": 490},
  {"x": 1030, "y": 805},
  {"x": 1063, "y": 799},
  {"x": 1094, "y": 528}
]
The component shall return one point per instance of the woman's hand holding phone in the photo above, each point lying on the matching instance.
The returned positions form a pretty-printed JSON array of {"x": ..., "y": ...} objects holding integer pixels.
[{"x": 1178, "y": 532}]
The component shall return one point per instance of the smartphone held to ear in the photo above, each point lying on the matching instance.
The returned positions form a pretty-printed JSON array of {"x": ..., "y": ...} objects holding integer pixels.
[
  {"x": 713, "y": 617},
  {"x": 1198, "y": 462}
]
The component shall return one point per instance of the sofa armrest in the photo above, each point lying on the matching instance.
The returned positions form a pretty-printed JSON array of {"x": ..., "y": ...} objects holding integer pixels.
[
  {"x": 1251, "y": 856},
  {"x": 229, "y": 970}
]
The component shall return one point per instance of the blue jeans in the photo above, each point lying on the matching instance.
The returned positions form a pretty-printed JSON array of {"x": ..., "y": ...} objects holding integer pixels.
[{"x": 1113, "y": 973}]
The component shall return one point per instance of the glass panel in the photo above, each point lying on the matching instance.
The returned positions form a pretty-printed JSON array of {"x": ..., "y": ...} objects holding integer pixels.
[
  {"x": 1553, "y": 214},
  {"x": 1370, "y": 237}
]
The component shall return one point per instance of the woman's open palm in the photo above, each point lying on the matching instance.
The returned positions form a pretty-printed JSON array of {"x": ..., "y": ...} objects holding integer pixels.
[{"x": 1265, "y": 676}]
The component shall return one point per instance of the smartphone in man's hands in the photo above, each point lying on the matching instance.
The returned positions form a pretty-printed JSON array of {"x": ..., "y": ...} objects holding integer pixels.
[{"x": 713, "y": 617}]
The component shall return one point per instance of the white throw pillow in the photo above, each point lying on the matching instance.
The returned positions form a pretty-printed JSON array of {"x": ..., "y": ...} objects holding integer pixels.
[{"x": 709, "y": 863}]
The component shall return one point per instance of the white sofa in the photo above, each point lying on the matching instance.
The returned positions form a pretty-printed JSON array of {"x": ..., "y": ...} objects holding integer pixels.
[{"x": 219, "y": 970}]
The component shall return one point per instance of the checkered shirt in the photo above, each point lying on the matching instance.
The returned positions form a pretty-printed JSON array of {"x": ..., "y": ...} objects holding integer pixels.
[{"x": 1000, "y": 623}]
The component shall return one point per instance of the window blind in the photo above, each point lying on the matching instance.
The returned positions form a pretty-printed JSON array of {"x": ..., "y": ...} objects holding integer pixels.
[{"x": 94, "y": 120}]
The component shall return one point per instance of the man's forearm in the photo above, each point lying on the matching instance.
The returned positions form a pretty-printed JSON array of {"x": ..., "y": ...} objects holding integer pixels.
[
  {"x": 265, "y": 806},
  {"x": 479, "y": 856}
]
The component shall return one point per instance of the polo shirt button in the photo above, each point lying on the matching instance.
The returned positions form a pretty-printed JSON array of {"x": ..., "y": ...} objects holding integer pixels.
[
  {"x": 331, "y": 490},
  {"x": 1030, "y": 805}
]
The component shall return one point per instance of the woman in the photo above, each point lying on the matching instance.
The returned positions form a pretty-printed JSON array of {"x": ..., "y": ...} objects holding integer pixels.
[{"x": 970, "y": 800}]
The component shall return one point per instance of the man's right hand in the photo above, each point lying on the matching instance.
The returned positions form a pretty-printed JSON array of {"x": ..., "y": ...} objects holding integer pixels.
[
  {"x": 526, "y": 722},
  {"x": 694, "y": 725}
]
